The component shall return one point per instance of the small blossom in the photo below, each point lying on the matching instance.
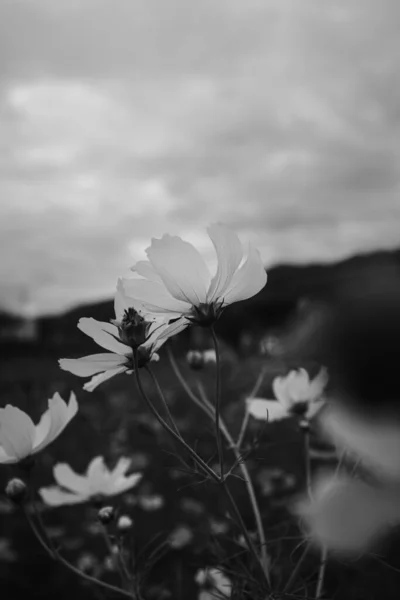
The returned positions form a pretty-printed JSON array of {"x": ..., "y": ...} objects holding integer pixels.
[
  {"x": 98, "y": 481},
  {"x": 176, "y": 282},
  {"x": 347, "y": 515},
  {"x": 151, "y": 502},
  {"x": 106, "y": 515},
  {"x": 121, "y": 339},
  {"x": 295, "y": 395},
  {"x": 214, "y": 583},
  {"x": 16, "y": 491},
  {"x": 124, "y": 523},
  {"x": 20, "y": 438}
]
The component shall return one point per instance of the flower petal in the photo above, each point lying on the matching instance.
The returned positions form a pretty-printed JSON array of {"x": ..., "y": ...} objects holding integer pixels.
[
  {"x": 266, "y": 410},
  {"x": 122, "y": 484},
  {"x": 92, "y": 364},
  {"x": 181, "y": 267},
  {"x": 280, "y": 389},
  {"x": 101, "y": 377},
  {"x": 248, "y": 280},
  {"x": 54, "y": 420},
  {"x": 17, "y": 432},
  {"x": 376, "y": 442},
  {"x": 146, "y": 270},
  {"x": 99, "y": 476},
  {"x": 5, "y": 459},
  {"x": 229, "y": 254},
  {"x": 104, "y": 335},
  {"x": 154, "y": 298},
  {"x": 54, "y": 496},
  {"x": 162, "y": 333},
  {"x": 67, "y": 478}
]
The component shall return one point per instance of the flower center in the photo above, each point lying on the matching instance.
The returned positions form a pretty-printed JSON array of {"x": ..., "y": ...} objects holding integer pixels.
[
  {"x": 133, "y": 329},
  {"x": 206, "y": 314}
]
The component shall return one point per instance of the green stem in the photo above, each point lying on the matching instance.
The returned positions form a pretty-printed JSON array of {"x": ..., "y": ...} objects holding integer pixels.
[
  {"x": 123, "y": 573},
  {"x": 321, "y": 573},
  {"x": 198, "y": 460},
  {"x": 217, "y": 404},
  {"x": 295, "y": 571}
]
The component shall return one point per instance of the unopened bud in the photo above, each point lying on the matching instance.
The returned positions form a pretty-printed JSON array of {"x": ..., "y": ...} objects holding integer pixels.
[
  {"x": 195, "y": 359},
  {"x": 106, "y": 515},
  {"x": 304, "y": 425},
  {"x": 124, "y": 523},
  {"x": 16, "y": 490},
  {"x": 133, "y": 328}
]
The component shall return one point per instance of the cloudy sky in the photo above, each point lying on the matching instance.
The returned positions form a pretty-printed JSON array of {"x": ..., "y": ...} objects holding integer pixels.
[{"x": 124, "y": 119}]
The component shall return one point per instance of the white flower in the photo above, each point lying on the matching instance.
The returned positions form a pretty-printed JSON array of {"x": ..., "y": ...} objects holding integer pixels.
[
  {"x": 295, "y": 394},
  {"x": 215, "y": 584},
  {"x": 176, "y": 281},
  {"x": 20, "y": 437},
  {"x": 120, "y": 358},
  {"x": 97, "y": 481},
  {"x": 347, "y": 515},
  {"x": 373, "y": 441}
]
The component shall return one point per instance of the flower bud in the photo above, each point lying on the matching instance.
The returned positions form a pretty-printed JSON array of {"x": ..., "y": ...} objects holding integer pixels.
[
  {"x": 133, "y": 328},
  {"x": 124, "y": 523},
  {"x": 17, "y": 491},
  {"x": 195, "y": 359},
  {"x": 106, "y": 515}
]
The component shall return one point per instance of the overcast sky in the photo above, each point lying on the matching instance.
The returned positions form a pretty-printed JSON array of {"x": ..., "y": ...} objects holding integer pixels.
[{"x": 124, "y": 119}]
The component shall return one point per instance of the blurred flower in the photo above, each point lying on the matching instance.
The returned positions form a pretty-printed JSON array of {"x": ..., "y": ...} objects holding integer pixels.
[
  {"x": 106, "y": 515},
  {"x": 124, "y": 523},
  {"x": 113, "y": 337},
  {"x": 150, "y": 502},
  {"x": 214, "y": 583},
  {"x": 197, "y": 359},
  {"x": 347, "y": 515},
  {"x": 176, "y": 282},
  {"x": 20, "y": 437},
  {"x": 98, "y": 481},
  {"x": 180, "y": 537},
  {"x": 16, "y": 490},
  {"x": 373, "y": 441},
  {"x": 295, "y": 395}
]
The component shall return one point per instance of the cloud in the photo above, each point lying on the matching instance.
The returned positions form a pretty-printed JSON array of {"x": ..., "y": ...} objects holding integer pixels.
[{"x": 121, "y": 121}]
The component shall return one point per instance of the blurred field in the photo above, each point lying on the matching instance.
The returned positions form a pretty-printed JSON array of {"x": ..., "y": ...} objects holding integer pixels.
[{"x": 169, "y": 501}]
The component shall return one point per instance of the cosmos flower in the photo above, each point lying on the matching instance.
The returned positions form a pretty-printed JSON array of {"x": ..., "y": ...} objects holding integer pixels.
[
  {"x": 97, "y": 482},
  {"x": 129, "y": 332},
  {"x": 374, "y": 441},
  {"x": 21, "y": 438},
  {"x": 176, "y": 282},
  {"x": 214, "y": 583},
  {"x": 347, "y": 515},
  {"x": 295, "y": 393}
]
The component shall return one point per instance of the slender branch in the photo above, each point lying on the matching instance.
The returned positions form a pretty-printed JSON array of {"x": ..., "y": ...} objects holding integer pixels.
[
  {"x": 125, "y": 576},
  {"x": 199, "y": 461},
  {"x": 56, "y": 556},
  {"x": 296, "y": 569},
  {"x": 307, "y": 460},
  {"x": 163, "y": 400},
  {"x": 243, "y": 527},
  {"x": 246, "y": 417},
  {"x": 321, "y": 572},
  {"x": 217, "y": 404},
  {"x": 206, "y": 406}
]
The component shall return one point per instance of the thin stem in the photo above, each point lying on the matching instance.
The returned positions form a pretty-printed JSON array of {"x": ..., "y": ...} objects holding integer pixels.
[
  {"x": 163, "y": 400},
  {"x": 54, "y": 554},
  {"x": 321, "y": 572},
  {"x": 123, "y": 573},
  {"x": 307, "y": 461},
  {"x": 242, "y": 526},
  {"x": 295, "y": 571},
  {"x": 246, "y": 417},
  {"x": 199, "y": 461},
  {"x": 207, "y": 407},
  {"x": 217, "y": 404}
]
